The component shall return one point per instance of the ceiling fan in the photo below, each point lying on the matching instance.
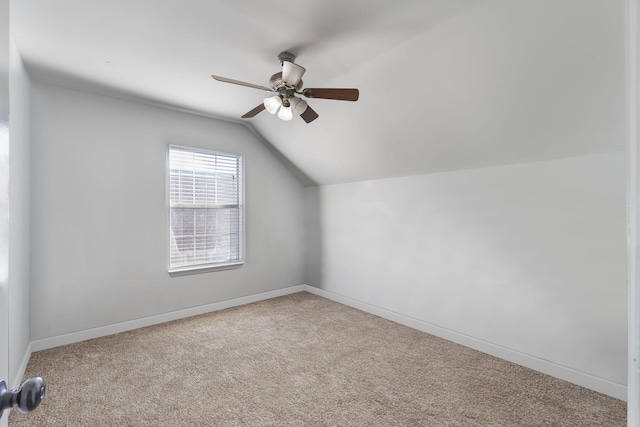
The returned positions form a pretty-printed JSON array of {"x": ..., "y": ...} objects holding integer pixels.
[{"x": 287, "y": 84}]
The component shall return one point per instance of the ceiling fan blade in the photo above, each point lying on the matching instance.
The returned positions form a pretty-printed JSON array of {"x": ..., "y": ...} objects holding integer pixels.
[
  {"x": 253, "y": 112},
  {"x": 309, "y": 115},
  {"x": 238, "y": 82},
  {"x": 292, "y": 73},
  {"x": 339, "y": 94}
]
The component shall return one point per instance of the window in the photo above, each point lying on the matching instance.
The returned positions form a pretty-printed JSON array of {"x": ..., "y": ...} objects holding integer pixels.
[{"x": 205, "y": 210}]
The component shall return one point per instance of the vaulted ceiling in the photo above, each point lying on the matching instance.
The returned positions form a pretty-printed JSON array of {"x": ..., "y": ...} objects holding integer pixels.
[{"x": 444, "y": 84}]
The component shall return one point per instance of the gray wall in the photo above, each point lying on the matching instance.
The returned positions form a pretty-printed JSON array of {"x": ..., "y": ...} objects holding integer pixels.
[
  {"x": 99, "y": 213},
  {"x": 19, "y": 236},
  {"x": 529, "y": 257}
]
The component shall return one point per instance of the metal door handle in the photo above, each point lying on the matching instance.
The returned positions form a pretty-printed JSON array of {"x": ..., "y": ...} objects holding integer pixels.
[{"x": 26, "y": 398}]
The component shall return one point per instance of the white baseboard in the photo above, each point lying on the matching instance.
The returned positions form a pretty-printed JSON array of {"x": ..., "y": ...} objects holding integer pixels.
[
  {"x": 87, "y": 334},
  {"x": 583, "y": 379},
  {"x": 601, "y": 385},
  {"x": 17, "y": 381}
]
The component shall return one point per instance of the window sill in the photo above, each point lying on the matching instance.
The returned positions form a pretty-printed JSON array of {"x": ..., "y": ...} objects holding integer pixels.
[{"x": 204, "y": 269}]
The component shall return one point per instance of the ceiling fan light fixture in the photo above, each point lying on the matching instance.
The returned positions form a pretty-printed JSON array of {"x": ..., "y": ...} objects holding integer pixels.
[
  {"x": 285, "y": 113},
  {"x": 298, "y": 105},
  {"x": 272, "y": 103}
]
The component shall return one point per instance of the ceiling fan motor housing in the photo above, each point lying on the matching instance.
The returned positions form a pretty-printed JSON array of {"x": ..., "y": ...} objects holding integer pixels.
[
  {"x": 280, "y": 86},
  {"x": 276, "y": 82}
]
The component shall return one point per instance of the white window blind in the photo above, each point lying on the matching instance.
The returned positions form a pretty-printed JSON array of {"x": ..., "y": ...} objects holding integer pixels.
[{"x": 205, "y": 208}]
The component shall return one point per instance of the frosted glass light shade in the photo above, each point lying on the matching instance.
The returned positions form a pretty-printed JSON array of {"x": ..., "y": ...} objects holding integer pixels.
[
  {"x": 292, "y": 73},
  {"x": 272, "y": 104},
  {"x": 298, "y": 105},
  {"x": 285, "y": 113}
]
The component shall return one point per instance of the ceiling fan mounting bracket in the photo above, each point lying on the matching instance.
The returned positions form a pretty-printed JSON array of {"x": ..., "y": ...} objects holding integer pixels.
[{"x": 286, "y": 56}]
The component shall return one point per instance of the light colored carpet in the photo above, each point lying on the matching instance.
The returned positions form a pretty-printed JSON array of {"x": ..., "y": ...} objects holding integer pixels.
[{"x": 298, "y": 360}]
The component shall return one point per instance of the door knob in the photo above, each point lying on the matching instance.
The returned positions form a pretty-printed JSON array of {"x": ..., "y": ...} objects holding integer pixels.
[{"x": 26, "y": 398}]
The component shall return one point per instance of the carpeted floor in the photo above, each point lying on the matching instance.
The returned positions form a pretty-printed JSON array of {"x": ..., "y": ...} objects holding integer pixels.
[{"x": 298, "y": 360}]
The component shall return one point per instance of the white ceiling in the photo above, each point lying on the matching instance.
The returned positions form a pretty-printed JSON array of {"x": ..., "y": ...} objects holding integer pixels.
[{"x": 444, "y": 84}]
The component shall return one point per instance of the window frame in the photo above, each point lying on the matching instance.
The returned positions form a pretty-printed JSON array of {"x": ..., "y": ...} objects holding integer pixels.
[{"x": 210, "y": 267}]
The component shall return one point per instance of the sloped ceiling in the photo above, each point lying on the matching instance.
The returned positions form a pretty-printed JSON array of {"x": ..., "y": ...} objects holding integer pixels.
[{"x": 444, "y": 84}]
